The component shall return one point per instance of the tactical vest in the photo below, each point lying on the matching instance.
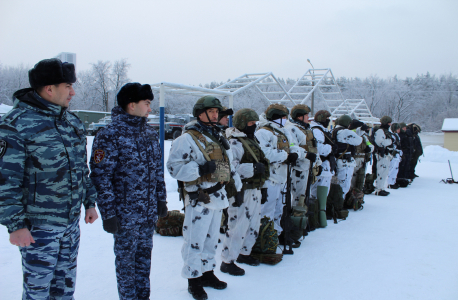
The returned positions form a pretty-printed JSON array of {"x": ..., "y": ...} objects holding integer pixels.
[
  {"x": 216, "y": 153},
  {"x": 359, "y": 150},
  {"x": 342, "y": 148},
  {"x": 257, "y": 181},
  {"x": 311, "y": 142},
  {"x": 282, "y": 140}
]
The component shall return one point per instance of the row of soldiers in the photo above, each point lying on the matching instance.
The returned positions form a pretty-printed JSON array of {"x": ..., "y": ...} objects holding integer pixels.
[{"x": 243, "y": 172}]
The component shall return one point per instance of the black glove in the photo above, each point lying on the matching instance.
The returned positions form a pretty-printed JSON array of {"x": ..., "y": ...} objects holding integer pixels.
[
  {"x": 162, "y": 208},
  {"x": 207, "y": 168},
  {"x": 263, "y": 195},
  {"x": 292, "y": 157},
  {"x": 238, "y": 199},
  {"x": 311, "y": 156},
  {"x": 367, "y": 150},
  {"x": 259, "y": 168},
  {"x": 111, "y": 225},
  {"x": 320, "y": 169}
]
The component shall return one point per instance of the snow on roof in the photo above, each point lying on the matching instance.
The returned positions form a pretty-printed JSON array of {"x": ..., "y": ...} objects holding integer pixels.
[
  {"x": 5, "y": 108},
  {"x": 450, "y": 124}
]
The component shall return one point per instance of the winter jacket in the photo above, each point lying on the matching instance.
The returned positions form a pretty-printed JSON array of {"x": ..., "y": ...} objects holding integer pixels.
[
  {"x": 43, "y": 172},
  {"x": 126, "y": 168},
  {"x": 184, "y": 160},
  {"x": 268, "y": 143},
  {"x": 324, "y": 149}
]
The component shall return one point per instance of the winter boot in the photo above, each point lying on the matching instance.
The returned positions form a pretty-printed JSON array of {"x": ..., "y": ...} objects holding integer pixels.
[
  {"x": 247, "y": 259},
  {"x": 232, "y": 269},
  {"x": 196, "y": 289},
  {"x": 210, "y": 280},
  {"x": 393, "y": 186},
  {"x": 382, "y": 193}
]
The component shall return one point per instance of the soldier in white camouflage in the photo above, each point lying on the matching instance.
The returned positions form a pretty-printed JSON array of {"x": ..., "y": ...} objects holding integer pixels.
[
  {"x": 383, "y": 148},
  {"x": 200, "y": 159},
  {"x": 44, "y": 180}
]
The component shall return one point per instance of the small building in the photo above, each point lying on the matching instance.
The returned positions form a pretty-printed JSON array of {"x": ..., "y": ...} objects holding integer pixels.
[
  {"x": 450, "y": 130},
  {"x": 87, "y": 116}
]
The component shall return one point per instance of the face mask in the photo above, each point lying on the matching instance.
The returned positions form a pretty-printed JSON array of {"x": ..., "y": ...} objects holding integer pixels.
[
  {"x": 280, "y": 121},
  {"x": 250, "y": 129},
  {"x": 326, "y": 123}
]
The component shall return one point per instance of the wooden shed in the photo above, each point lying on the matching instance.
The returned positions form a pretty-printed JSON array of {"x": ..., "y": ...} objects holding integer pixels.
[{"x": 450, "y": 129}]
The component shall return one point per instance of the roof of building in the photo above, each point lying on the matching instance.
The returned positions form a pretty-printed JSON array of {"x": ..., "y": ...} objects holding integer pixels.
[{"x": 450, "y": 124}]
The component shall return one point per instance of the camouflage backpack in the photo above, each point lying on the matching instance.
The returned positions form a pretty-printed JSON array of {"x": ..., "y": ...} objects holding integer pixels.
[
  {"x": 171, "y": 225},
  {"x": 265, "y": 248},
  {"x": 354, "y": 200}
]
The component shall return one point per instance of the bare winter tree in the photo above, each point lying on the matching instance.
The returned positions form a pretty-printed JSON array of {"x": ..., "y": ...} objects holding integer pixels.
[
  {"x": 11, "y": 80},
  {"x": 119, "y": 76},
  {"x": 101, "y": 72}
]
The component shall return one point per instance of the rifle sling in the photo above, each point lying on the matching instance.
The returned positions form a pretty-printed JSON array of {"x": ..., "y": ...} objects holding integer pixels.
[
  {"x": 207, "y": 157},
  {"x": 242, "y": 140}
]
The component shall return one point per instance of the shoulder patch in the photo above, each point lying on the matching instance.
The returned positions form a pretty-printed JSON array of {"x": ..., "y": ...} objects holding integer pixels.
[
  {"x": 99, "y": 155},
  {"x": 3, "y": 146}
]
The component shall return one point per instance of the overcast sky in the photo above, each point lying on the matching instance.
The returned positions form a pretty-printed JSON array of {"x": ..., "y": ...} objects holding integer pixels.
[{"x": 199, "y": 41}]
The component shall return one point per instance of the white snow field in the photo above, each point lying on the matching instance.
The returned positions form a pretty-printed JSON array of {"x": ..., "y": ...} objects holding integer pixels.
[{"x": 404, "y": 246}]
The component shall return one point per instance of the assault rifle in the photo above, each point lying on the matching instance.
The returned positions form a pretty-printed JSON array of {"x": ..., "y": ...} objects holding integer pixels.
[{"x": 287, "y": 223}]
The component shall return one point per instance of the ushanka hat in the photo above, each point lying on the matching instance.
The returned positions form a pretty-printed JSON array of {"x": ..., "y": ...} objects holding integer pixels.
[{"x": 51, "y": 71}]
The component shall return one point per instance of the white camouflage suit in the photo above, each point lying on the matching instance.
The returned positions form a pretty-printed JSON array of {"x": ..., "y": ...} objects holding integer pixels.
[
  {"x": 273, "y": 208},
  {"x": 383, "y": 163},
  {"x": 394, "y": 164},
  {"x": 360, "y": 161},
  {"x": 345, "y": 168},
  {"x": 244, "y": 221},
  {"x": 202, "y": 222},
  {"x": 323, "y": 150},
  {"x": 301, "y": 170}
]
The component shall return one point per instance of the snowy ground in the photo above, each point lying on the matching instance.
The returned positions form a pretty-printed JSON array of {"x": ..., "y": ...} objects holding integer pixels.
[{"x": 403, "y": 246}]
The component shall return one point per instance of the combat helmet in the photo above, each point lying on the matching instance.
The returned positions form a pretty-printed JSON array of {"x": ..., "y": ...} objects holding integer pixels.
[
  {"x": 205, "y": 103},
  {"x": 415, "y": 127},
  {"x": 402, "y": 125},
  {"x": 321, "y": 116},
  {"x": 276, "y": 109},
  {"x": 225, "y": 112},
  {"x": 299, "y": 110},
  {"x": 385, "y": 120},
  {"x": 243, "y": 116},
  {"x": 344, "y": 121},
  {"x": 395, "y": 126}
]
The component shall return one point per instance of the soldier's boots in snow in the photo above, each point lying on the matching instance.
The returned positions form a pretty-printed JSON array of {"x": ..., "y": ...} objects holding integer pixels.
[
  {"x": 248, "y": 259},
  {"x": 232, "y": 269},
  {"x": 382, "y": 193},
  {"x": 393, "y": 186},
  {"x": 210, "y": 280},
  {"x": 196, "y": 289}
]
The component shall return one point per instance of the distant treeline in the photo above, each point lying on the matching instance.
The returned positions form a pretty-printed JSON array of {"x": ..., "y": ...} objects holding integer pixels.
[{"x": 425, "y": 99}]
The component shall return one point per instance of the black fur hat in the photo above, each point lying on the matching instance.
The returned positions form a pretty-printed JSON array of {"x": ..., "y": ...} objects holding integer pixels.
[
  {"x": 134, "y": 92},
  {"x": 51, "y": 71}
]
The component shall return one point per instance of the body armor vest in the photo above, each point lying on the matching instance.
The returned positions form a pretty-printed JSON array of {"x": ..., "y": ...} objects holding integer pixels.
[
  {"x": 282, "y": 140},
  {"x": 216, "y": 153},
  {"x": 342, "y": 148},
  {"x": 359, "y": 150},
  {"x": 311, "y": 142},
  {"x": 257, "y": 181}
]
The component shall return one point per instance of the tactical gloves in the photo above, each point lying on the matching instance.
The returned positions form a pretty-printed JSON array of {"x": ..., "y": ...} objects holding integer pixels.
[
  {"x": 238, "y": 199},
  {"x": 111, "y": 225},
  {"x": 259, "y": 168},
  {"x": 367, "y": 150},
  {"x": 263, "y": 195},
  {"x": 292, "y": 157},
  {"x": 161, "y": 208},
  {"x": 207, "y": 168},
  {"x": 310, "y": 156}
]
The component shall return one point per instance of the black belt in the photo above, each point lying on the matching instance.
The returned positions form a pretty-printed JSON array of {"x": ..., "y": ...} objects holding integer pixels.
[
  {"x": 345, "y": 156},
  {"x": 210, "y": 190}
]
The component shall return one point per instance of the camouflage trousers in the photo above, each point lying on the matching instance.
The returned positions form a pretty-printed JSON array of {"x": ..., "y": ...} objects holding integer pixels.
[
  {"x": 359, "y": 177},
  {"x": 243, "y": 226},
  {"x": 200, "y": 232},
  {"x": 343, "y": 178},
  {"x": 299, "y": 180},
  {"x": 132, "y": 247},
  {"x": 383, "y": 168},
  {"x": 394, "y": 169},
  {"x": 273, "y": 208},
  {"x": 49, "y": 264}
]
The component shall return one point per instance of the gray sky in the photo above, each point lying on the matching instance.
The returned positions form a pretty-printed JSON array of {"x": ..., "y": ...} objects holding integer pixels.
[{"x": 200, "y": 41}]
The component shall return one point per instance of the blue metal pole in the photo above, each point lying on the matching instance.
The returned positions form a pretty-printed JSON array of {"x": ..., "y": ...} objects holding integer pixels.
[
  {"x": 161, "y": 121},
  {"x": 230, "y": 121}
]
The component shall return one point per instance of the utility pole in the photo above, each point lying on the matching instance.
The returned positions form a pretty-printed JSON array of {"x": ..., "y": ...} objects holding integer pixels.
[{"x": 313, "y": 85}]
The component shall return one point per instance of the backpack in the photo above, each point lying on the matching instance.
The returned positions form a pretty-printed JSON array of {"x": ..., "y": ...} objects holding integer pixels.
[
  {"x": 369, "y": 187},
  {"x": 299, "y": 220},
  {"x": 313, "y": 213},
  {"x": 334, "y": 204},
  {"x": 265, "y": 247},
  {"x": 354, "y": 200},
  {"x": 171, "y": 225}
]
